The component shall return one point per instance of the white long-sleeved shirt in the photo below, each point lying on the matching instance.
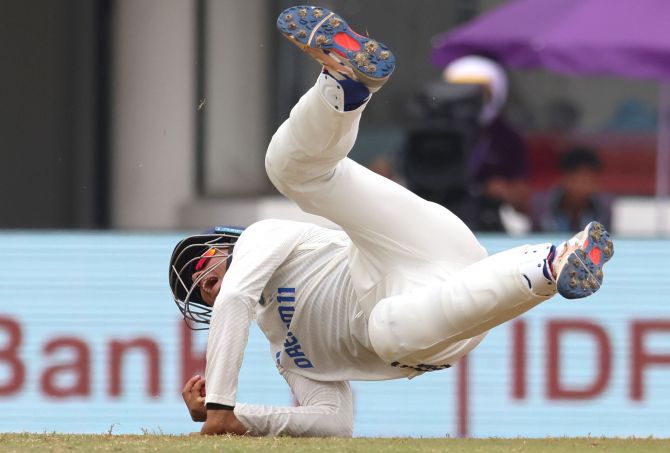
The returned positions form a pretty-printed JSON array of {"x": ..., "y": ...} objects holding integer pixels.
[{"x": 294, "y": 279}]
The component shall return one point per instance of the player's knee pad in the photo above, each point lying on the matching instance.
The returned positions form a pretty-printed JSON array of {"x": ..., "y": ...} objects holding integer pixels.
[
  {"x": 278, "y": 172},
  {"x": 284, "y": 169}
]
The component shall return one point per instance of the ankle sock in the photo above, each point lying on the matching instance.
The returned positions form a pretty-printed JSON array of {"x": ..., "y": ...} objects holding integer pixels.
[
  {"x": 535, "y": 270},
  {"x": 548, "y": 268},
  {"x": 343, "y": 93}
]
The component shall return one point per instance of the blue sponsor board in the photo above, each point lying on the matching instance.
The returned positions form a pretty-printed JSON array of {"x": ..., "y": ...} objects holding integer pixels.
[{"x": 91, "y": 342}]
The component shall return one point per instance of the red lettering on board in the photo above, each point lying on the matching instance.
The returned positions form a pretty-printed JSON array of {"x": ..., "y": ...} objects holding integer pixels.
[
  {"x": 557, "y": 389},
  {"x": 9, "y": 357},
  {"x": 79, "y": 368},
  {"x": 641, "y": 358},
  {"x": 117, "y": 350},
  {"x": 192, "y": 362},
  {"x": 519, "y": 359}
]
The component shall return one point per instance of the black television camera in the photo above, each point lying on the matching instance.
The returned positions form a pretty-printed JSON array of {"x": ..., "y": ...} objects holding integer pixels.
[{"x": 444, "y": 128}]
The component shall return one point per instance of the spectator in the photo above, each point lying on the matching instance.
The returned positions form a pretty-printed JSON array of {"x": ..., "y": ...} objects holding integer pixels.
[
  {"x": 499, "y": 161},
  {"x": 500, "y": 182},
  {"x": 576, "y": 199}
]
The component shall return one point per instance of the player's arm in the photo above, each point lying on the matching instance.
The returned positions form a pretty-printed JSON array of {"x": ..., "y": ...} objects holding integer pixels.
[
  {"x": 229, "y": 331},
  {"x": 260, "y": 250},
  {"x": 222, "y": 420},
  {"x": 325, "y": 410},
  {"x": 194, "y": 398}
]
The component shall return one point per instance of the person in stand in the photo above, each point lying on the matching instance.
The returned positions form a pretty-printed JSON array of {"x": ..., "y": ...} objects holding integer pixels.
[
  {"x": 576, "y": 197},
  {"x": 499, "y": 163}
]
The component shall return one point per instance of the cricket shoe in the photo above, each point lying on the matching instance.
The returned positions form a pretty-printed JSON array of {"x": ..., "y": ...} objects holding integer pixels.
[
  {"x": 578, "y": 263},
  {"x": 328, "y": 39}
]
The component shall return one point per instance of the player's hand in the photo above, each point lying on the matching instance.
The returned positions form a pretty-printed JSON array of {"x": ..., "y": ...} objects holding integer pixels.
[
  {"x": 194, "y": 397},
  {"x": 223, "y": 421}
]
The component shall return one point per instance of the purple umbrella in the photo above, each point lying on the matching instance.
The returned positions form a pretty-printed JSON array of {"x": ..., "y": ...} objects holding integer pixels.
[{"x": 627, "y": 38}]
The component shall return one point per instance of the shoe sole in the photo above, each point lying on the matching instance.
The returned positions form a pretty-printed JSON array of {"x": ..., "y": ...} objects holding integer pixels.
[
  {"x": 327, "y": 38},
  {"x": 582, "y": 275}
]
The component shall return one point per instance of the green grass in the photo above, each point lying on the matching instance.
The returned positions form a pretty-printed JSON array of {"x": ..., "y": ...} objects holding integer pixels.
[{"x": 70, "y": 442}]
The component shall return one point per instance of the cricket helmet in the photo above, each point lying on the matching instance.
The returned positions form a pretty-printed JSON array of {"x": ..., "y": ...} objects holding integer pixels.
[
  {"x": 475, "y": 69},
  {"x": 189, "y": 256}
]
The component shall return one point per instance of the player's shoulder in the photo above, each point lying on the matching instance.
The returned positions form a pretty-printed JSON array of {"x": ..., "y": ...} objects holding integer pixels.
[{"x": 268, "y": 228}]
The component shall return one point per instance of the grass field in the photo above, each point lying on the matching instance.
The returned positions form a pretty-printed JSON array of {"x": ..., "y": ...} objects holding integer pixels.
[{"x": 66, "y": 442}]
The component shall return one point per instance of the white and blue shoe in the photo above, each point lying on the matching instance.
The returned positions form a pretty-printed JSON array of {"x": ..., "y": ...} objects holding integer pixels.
[
  {"x": 577, "y": 264},
  {"x": 327, "y": 38}
]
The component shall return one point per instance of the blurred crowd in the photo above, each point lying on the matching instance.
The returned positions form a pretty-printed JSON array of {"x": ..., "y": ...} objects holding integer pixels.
[{"x": 462, "y": 153}]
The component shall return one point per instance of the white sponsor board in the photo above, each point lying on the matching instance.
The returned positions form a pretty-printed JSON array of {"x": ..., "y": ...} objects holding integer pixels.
[{"x": 90, "y": 342}]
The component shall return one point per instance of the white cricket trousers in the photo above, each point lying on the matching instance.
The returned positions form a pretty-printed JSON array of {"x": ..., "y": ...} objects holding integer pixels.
[{"x": 424, "y": 282}]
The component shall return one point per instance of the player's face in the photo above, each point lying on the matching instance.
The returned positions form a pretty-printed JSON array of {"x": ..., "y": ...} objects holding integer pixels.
[{"x": 210, "y": 275}]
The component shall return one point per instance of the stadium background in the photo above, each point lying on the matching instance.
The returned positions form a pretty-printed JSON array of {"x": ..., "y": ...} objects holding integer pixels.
[{"x": 126, "y": 123}]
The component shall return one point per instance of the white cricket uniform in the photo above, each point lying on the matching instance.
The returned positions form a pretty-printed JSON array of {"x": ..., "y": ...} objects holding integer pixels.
[{"x": 404, "y": 288}]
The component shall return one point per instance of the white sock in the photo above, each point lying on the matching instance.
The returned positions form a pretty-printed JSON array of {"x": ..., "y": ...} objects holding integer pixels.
[
  {"x": 331, "y": 91},
  {"x": 534, "y": 270}
]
